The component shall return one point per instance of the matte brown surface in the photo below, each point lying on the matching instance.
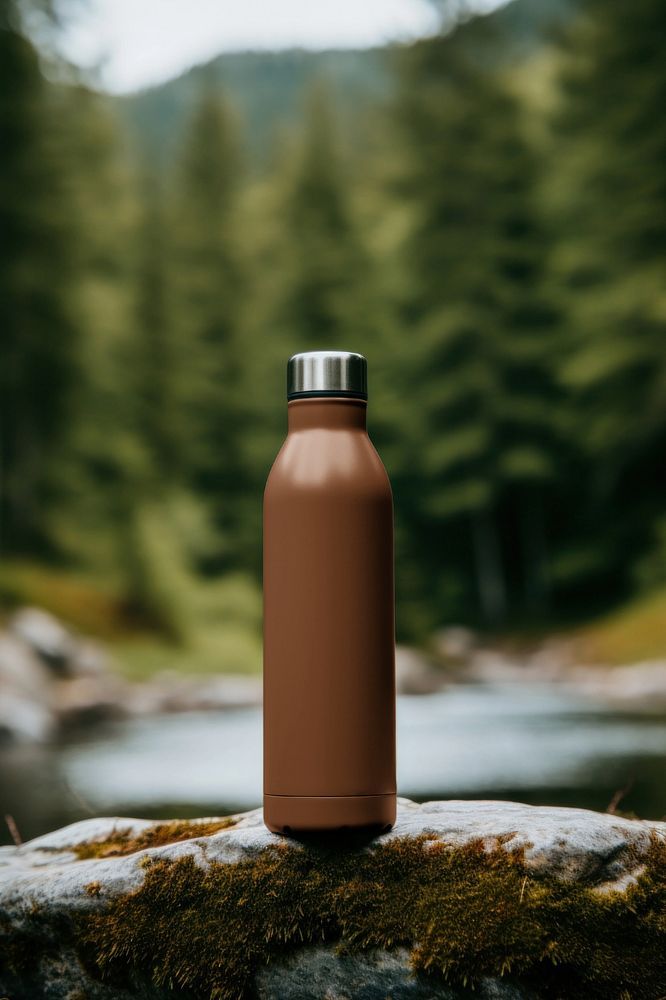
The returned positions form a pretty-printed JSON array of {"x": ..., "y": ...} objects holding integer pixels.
[
  {"x": 329, "y": 679},
  {"x": 284, "y": 813}
]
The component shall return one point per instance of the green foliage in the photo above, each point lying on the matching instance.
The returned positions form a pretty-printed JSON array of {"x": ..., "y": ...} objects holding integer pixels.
[
  {"x": 479, "y": 316},
  {"x": 220, "y": 618},
  {"x": 610, "y": 205},
  {"x": 209, "y": 289},
  {"x": 322, "y": 267},
  {"x": 480, "y": 215},
  {"x": 220, "y": 633},
  {"x": 158, "y": 581},
  {"x": 650, "y": 572},
  {"x": 40, "y": 336},
  {"x": 158, "y": 355},
  {"x": 92, "y": 606}
]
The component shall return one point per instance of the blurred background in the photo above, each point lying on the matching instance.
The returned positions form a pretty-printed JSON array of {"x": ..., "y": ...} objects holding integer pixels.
[{"x": 473, "y": 195}]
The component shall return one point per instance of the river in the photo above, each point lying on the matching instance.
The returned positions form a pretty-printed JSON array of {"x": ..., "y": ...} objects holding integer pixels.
[{"x": 529, "y": 742}]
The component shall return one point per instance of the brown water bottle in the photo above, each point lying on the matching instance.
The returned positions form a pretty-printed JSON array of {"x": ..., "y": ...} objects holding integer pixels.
[{"x": 329, "y": 675}]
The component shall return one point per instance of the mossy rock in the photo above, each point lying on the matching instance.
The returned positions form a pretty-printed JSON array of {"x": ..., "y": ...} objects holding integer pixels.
[{"x": 479, "y": 899}]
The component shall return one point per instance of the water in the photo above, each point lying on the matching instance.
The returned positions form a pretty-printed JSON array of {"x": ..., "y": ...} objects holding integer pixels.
[{"x": 527, "y": 742}]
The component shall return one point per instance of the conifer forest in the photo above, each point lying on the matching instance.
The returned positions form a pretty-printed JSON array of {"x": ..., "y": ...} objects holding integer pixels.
[{"x": 481, "y": 213}]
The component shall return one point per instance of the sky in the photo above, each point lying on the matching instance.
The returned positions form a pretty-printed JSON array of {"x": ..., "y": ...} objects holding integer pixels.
[{"x": 137, "y": 43}]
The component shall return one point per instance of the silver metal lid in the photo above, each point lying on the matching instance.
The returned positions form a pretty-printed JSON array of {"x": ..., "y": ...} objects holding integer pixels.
[{"x": 327, "y": 373}]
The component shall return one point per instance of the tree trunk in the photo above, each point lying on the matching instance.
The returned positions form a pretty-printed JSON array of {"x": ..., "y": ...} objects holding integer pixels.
[
  {"x": 535, "y": 579},
  {"x": 490, "y": 577}
]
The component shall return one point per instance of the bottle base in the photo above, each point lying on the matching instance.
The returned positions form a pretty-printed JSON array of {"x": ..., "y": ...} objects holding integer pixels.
[{"x": 325, "y": 813}]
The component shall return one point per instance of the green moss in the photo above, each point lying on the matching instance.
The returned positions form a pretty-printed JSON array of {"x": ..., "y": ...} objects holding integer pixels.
[
  {"x": 464, "y": 912},
  {"x": 155, "y": 836}
]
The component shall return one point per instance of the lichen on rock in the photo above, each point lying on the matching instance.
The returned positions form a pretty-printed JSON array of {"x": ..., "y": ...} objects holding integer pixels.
[{"x": 508, "y": 900}]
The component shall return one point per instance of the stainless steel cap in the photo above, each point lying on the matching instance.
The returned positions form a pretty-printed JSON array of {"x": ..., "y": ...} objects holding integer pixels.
[{"x": 327, "y": 373}]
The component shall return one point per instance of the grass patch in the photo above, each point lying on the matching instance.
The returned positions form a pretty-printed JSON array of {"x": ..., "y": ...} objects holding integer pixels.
[
  {"x": 221, "y": 630},
  {"x": 223, "y": 634},
  {"x": 635, "y": 632},
  {"x": 229, "y": 650},
  {"x": 78, "y": 600}
]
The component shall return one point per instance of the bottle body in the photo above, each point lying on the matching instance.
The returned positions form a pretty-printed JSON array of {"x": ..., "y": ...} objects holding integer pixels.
[{"x": 329, "y": 677}]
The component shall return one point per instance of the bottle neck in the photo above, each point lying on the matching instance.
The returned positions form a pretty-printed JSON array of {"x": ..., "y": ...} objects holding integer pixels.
[{"x": 327, "y": 412}]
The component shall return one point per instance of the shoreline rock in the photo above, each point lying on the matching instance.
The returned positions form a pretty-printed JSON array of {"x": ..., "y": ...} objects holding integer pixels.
[
  {"x": 636, "y": 686},
  {"x": 168, "y": 693},
  {"x": 53, "y": 680},
  {"x": 416, "y": 674},
  {"x": 517, "y": 901}
]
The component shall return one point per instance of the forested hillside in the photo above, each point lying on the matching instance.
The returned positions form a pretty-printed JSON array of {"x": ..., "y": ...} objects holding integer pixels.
[
  {"x": 498, "y": 258},
  {"x": 267, "y": 88}
]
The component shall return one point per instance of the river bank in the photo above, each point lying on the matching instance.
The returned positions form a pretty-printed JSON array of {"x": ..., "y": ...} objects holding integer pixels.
[
  {"x": 535, "y": 743},
  {"x": 78, "y": 739},
  {"x": 53, "y": 680}
]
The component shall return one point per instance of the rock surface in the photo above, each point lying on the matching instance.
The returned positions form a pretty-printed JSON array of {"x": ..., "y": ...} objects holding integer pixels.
[
  {"x": 52, "y": 679},
  {"x": 47, "y": 888},
  {"x": 636, "y": 687},
  {"x": 169, "y": 692},
  {"x": 415, "y": 674},
  {"x": 25, "y": 694}
]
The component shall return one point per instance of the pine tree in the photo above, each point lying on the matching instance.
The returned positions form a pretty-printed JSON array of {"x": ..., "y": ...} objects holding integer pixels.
[
  {"x": 209, "y": 292},
  {"x": 161, "y": 417},
  {"x": 312, "y": 276},
  {"x": 39, "y": 331},
  {"x": 609, "y": 200},
  {"x": 480, "y": 333},
  {"x": 323, "y": 266},
  {"x": 103, "y": 461}
]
